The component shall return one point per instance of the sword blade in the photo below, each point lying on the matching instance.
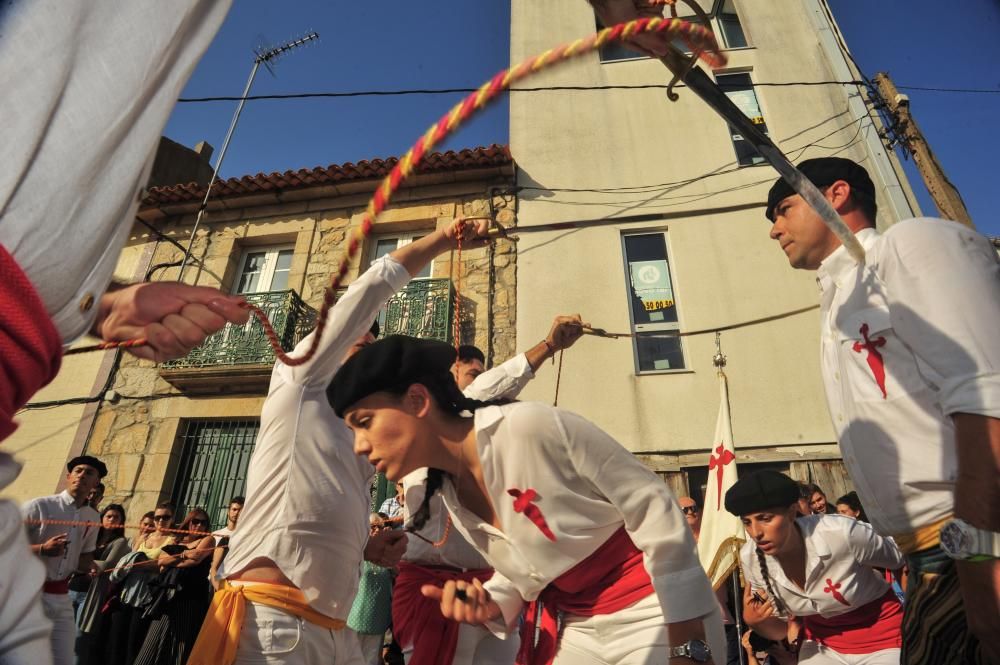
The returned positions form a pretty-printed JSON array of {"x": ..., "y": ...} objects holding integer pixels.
[{"x": 710, "y": 93}]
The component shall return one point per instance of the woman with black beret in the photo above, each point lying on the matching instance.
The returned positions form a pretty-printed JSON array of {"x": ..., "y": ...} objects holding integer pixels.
[
  {"x": 562, "y": 512},
  {"x": 819, "y": 568}
]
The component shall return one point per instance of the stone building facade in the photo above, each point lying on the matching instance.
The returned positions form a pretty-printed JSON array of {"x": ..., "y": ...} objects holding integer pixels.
[{"x": 184, "y": 430}]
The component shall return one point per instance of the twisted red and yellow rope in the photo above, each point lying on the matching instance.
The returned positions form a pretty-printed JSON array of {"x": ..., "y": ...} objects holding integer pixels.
[
  {"x": 104, "y": 346},
  {"x": 698, "y": 38}
]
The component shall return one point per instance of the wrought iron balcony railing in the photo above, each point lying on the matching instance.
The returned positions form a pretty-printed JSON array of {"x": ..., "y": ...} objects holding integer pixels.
[
  {"x": 423, "y": 309},
  {"x": 247, "y": 345}
]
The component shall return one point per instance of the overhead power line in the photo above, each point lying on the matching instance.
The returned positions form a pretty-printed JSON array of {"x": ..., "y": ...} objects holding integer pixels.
[
  {"x": 793, "y": 152},
  {"x": 982, "y": 91},
  {"x": 552, "y": 88}
]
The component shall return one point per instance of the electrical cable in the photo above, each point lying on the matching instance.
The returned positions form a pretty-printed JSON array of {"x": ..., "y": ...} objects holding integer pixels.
[
  {"x": 987, "y": 91},
  {"x": 449, "y": 91},
  {"x": 637, "y": 189},
  {"x": 556, "y": 88}
]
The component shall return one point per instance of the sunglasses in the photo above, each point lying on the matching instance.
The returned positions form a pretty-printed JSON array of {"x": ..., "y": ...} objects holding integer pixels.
[
  {"x": 162, "y": 518},
  {"x": 689, "y": 510},
  {"x": 199, "y": 522}
]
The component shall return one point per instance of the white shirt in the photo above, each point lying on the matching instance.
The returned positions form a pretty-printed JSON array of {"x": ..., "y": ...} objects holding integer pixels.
[
  {"x": 307, "y": 492},
  {"x": 505, "y": 380},
  {"x": 224, "y": 532},
  {"x": 588, "y": 487},
  {"x": 929, "y": 294},
  {"x": 841, "y": 556},
  {"x": 80, "y": 539},
  {"x": 87, "y": 89}
]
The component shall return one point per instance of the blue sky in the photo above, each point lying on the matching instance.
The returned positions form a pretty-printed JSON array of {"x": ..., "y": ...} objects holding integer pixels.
[
  {"x": 929, "y": 44},
  {"x": 362, "y": 46},
  {"x": 459, "y": 44}
]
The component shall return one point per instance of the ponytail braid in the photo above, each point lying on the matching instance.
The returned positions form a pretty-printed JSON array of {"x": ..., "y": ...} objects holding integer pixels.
[
  {"x": 450, "y": 398},
  {"x": 767, "y": 580},
  {"x": 435, "y": 478}
]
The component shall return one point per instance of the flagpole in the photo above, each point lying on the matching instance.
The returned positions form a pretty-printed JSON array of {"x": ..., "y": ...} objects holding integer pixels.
[
  {"x": 737, "y": 615},
  {"x": 719, "y": 360}
]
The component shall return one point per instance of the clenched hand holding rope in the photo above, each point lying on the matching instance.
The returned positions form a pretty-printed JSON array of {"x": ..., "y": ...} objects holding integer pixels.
[{"x": 172, "y": 318}]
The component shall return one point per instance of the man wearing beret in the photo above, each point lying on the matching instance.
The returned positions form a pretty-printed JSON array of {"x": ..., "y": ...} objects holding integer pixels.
[
  {"x": 65, "y": 548},
  {"x": 911, "y": 367}
]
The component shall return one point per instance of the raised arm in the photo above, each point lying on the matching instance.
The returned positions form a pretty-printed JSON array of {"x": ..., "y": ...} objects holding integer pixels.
[
  {"x": 354, "y": 313},
  {"x": 507, "y": 380},
  {"x": 416, "y": 255}
]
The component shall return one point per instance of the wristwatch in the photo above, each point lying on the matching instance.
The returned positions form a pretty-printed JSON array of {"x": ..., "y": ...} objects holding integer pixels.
[
  {"x": 696, "y": 650},
  {"x": 960, "y": 540}
]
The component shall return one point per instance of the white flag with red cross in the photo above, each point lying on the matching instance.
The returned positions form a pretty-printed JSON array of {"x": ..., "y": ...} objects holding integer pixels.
[{"x": 721, "y": 533}]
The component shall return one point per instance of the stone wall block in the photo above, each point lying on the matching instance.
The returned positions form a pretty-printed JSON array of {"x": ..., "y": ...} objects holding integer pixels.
[
  {"x": 335, "y": 223},
  {"x": 132, "y": 439},
  {"x": 101, "y": 434},
  {"x": 127, "y": 473},
  {"x": 151, "y": 476},
  {"x": 164, "y": 438}
]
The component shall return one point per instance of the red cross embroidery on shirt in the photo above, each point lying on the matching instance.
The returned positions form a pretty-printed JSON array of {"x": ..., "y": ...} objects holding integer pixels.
[
  {"x": 874, "y": 357},
  {"x": 523, "y": 503},
  {"x": 719, "y": 463},
  {"x": 831, "y": 588}
]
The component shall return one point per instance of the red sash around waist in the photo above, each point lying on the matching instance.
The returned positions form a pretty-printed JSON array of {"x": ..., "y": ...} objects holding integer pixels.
[
  {"x": 417, "y": 620},
  {"x": 30, "y": 348},
  {"x": 871, "y": 627},
  {"x": 60, "y": 587},
  {"x": 609, "y": 580}
]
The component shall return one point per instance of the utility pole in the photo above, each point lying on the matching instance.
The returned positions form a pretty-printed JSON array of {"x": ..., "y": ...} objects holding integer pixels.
[{"x": 946, "y": 197}]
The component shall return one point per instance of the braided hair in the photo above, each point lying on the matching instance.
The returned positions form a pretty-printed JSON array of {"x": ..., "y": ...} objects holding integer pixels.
[
  {"x": 450, "y": 398},
  {"x": 767, "y": 580}
]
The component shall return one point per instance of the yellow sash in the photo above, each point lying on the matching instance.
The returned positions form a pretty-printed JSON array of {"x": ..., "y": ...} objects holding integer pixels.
[
  {"x": 923, "y": 538},
  {"x": 220, "y": 634}
]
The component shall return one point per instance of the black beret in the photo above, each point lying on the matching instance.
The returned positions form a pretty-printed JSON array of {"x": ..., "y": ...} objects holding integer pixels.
[
  {"x": 760, "y": 491},
  {"x": 392, "y": 363},
  {"x": 89, "y": 461},
  {"x": 823, "y": 171},
  {"x": 470, "y": 352}
]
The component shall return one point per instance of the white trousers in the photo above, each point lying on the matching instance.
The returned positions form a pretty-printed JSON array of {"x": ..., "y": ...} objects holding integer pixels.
[
  {"x": 814, "y": 653},
  {"x": 636, "y": 635},
  {"x": 273, "y": 637},
  {"x": 24, "y": 629},
  {"x": 478, "y": 646},
  {"x": 371, "y": 647},
  {"x": 59, "y": 609}
]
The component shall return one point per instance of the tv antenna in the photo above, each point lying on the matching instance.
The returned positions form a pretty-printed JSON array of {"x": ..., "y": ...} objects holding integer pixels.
[{"x": 262, "y": 56}]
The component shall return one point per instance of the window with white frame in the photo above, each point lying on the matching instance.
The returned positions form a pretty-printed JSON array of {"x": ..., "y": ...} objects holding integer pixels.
[
  {"x": 739, "y": 88},
  {"x": 389, "y": 243},
  {"x": 652, "y": 305},
  {"x": 264, "y": 269},
  {"x": 723, "y": 21}
]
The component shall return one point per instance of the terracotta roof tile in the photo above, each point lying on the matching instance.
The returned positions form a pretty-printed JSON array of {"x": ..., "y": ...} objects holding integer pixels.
[{"x": 435, "y": 162}]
